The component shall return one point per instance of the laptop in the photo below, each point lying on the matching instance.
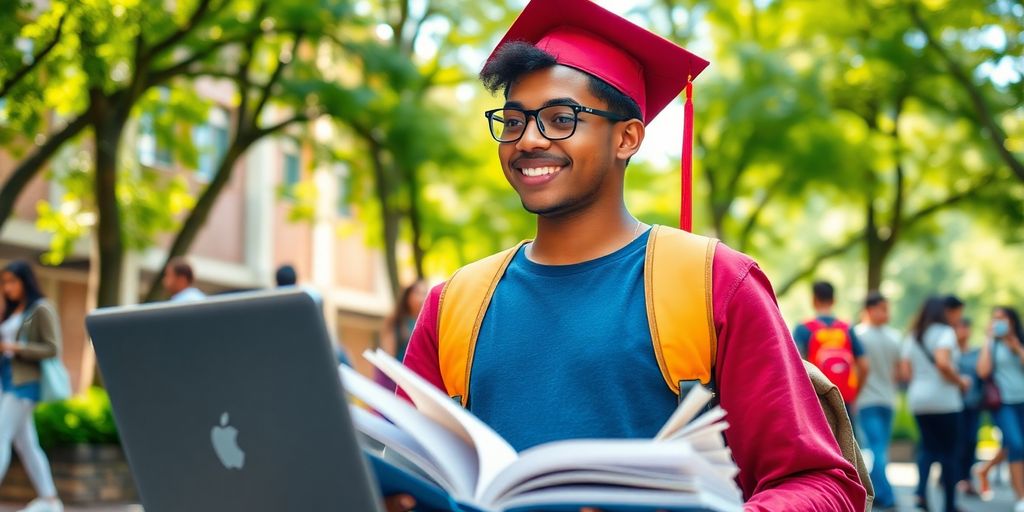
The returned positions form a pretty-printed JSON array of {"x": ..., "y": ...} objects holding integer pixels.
[{"x": 232, "y": 403}]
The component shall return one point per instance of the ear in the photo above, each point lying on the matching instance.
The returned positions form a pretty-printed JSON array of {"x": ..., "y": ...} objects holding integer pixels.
[{"x": 631, "y": 135}]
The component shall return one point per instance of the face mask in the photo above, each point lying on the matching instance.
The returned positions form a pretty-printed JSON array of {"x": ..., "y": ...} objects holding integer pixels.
[{"x": 1000, "y": 328}]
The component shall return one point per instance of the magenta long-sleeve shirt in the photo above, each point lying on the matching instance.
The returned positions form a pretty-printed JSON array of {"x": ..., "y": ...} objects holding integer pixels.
[{"x": 787, "y": 456}]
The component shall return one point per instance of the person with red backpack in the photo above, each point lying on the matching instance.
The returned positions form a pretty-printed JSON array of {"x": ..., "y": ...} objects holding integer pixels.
[
  {"x": 832, "y": 345},
  {"x": 595, "y": 327}
]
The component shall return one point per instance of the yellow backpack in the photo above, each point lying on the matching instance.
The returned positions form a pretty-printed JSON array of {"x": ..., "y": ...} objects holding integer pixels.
[
  {"x": 684, "y": 341},
  {"x": 680, "y": 316}
]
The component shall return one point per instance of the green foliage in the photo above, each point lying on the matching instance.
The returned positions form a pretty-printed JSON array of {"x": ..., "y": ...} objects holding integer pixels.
[
  {"x": 904, "y": 427},
  {"x": 84, "y": 419},
  {"x": 809, "y": 118}
]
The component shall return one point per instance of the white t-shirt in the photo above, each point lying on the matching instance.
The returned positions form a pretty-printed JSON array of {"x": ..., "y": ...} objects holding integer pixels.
[
  {"x": 9, "y": 328},
  {"x": 188, "y": 295},
  {"x": 882, "y": 347},
  {"x": 929, "y": 391}
]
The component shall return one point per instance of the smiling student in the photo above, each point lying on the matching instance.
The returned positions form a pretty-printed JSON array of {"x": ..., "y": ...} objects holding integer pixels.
[{"x": 575, "y": 334}]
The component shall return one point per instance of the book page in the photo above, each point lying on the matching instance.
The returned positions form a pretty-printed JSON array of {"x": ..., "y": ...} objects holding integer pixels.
[
  {"x": 688, "y": 408},
  {"x": 456, "y": 459},
  {"x": 668, "y": 458},
  {"x": 398, "y": 442},
  {"x": 493, "y": 453},
  {"x": 612, "y": 499},
  {"x": 614, "y": 478}
]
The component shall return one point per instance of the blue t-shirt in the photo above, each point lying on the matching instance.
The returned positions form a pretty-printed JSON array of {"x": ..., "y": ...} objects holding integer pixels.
[
  {"x": 26, "y": 390},
  {"x": 581, "y": 330},
  {"x": 802, "y": 337},
  {"x": 968, "y": 366}
]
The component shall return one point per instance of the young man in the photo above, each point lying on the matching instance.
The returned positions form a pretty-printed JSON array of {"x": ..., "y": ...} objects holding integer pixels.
[
  {"x": 877, "y": 399},
  {"x": 178, "y": 281},
  {"x": 564, "y": 349},
  {"x": 832, "y": 345}
]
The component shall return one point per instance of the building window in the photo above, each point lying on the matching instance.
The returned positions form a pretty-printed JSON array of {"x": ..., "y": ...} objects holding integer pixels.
[
  {"x": 152, "y": 152},
  {"x": 292, "y": 174},
  {"x": 344, "y": 194},
  {"x": 211, "y": 141}
]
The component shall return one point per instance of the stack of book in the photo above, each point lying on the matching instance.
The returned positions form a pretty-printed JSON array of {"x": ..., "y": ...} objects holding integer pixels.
[{"x": 450, "y": 460}]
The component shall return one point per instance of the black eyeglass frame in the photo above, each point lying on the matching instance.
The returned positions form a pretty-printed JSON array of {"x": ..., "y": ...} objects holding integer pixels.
[{"x": 576, "y": 109}]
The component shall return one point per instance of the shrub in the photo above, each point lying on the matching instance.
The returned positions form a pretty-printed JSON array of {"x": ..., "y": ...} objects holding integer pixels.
[
  {"x": 83, "y": 419},
  {"x": 904, "y": 428}
]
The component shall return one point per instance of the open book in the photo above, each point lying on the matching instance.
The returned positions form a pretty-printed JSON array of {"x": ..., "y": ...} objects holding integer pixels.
[{"x": 450, "y": 460}]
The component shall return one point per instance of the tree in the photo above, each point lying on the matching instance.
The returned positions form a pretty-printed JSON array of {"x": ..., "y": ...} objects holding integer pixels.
[
  {"x": 888, "y": 85},
  {"x": 991, "y": 104},
  {"x": 407, "y": 129},
  {"x": 294, "y": 83},
  {"x": 122, "y": 51}
]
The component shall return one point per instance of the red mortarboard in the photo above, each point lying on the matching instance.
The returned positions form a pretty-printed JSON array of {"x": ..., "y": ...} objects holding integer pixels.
[{"x": 644, "y": 66}]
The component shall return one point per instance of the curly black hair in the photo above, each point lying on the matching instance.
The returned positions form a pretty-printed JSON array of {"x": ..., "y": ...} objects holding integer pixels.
[{"x": 517, "y": 58}]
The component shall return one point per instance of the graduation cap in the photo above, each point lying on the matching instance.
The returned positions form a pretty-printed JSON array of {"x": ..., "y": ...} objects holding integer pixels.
[{"x": 651, "y": 70}]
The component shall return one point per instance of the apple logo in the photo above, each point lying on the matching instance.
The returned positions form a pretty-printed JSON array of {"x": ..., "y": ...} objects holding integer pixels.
[{"x": 225, "y": 444}]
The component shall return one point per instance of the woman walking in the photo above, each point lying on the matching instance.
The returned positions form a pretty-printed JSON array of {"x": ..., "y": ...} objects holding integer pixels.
[
  {"x": 29, "y": 333},
  {"x": 930, "y": 357},
  {"x": 398, "y": 326},
  {"x": 1003, "y": 359}
]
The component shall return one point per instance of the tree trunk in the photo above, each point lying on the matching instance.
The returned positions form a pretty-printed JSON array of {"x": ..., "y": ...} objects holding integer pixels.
[
  {"x": 108, "y": 126},
  {"x": 30, "y": 166},
  {"x": 415, "y": 221},
  {"x": 197, "y": 217},
  {"x": 872, "y": 247},
  {"x": 389, "y": 217}
]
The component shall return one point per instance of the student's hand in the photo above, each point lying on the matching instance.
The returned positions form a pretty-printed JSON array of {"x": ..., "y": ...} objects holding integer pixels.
[
  {"x": 965, "y": 383},
  {"x": 9, "y": 348},
  {"x": 399, "y": 503},
  {"x": 1012, "y": 343}
]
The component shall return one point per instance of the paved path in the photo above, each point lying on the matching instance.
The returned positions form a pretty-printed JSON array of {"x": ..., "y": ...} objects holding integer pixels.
[{"x": 902, "y": 475}]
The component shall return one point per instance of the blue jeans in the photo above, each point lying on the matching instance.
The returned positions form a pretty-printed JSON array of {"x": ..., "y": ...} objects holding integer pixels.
[
  {"x": 1010, "y": 419},
  {"x": 970, "y": 421},
  {"x": 876, "y": 423},
  {"x": 940, "y": 442}
]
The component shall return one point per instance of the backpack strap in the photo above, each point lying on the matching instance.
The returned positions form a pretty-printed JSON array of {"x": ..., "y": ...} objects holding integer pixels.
[
  {"x": 677, "y": 291},
  {"x": 461, "y": 309},
  {"x": 832, "y": 405},
  {"x": 677, "y": 288}
]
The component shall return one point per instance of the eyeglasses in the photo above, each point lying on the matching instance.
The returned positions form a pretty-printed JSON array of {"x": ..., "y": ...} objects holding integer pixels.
[{"x": 555, "y": 122}]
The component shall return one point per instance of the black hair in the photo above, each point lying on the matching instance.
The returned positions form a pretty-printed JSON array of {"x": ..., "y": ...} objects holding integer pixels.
[
  {"x": 823, "y": 291},
  {"x": 517, "y": 58},
  {"x": 285, "y": 275},
  {"x": 180, "y": 267},
  {"x": 23, "y": 272},
  {"x": 1014, "y": 318},
  {"x": 402, "y": 310},
  {"x": 952, "y": 302},
  {"x": 933, "y": 311},
  {"x": 873, "y": 299}
]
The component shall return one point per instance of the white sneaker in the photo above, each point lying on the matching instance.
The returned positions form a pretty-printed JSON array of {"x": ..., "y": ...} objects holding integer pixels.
[
  {"x": 44, "y": 505},
  {"x": 1019, "y": 507}
]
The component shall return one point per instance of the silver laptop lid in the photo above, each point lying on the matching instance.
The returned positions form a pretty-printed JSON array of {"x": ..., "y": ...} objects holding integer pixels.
[{"x": 232, "y": 403}]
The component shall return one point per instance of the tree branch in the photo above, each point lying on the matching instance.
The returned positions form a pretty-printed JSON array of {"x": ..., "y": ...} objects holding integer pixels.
[
  {"x": 899, "y": 198},
  {"x": 812, "y": 267},
  {"x": 159, "y": 76},
  {"x": 31, "y": 165},
  {"x": 748, "y": 227},
  {"x": 988, "y": 122},
  {"x": 275, "y": 76},
  {"x": 263, "y": 132},
  {"x": 20, "y": 74},
  {"x": 923, "y": 213},
  {"x": 209, "y": 73},
  {"x": 193, "y": 21}
]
